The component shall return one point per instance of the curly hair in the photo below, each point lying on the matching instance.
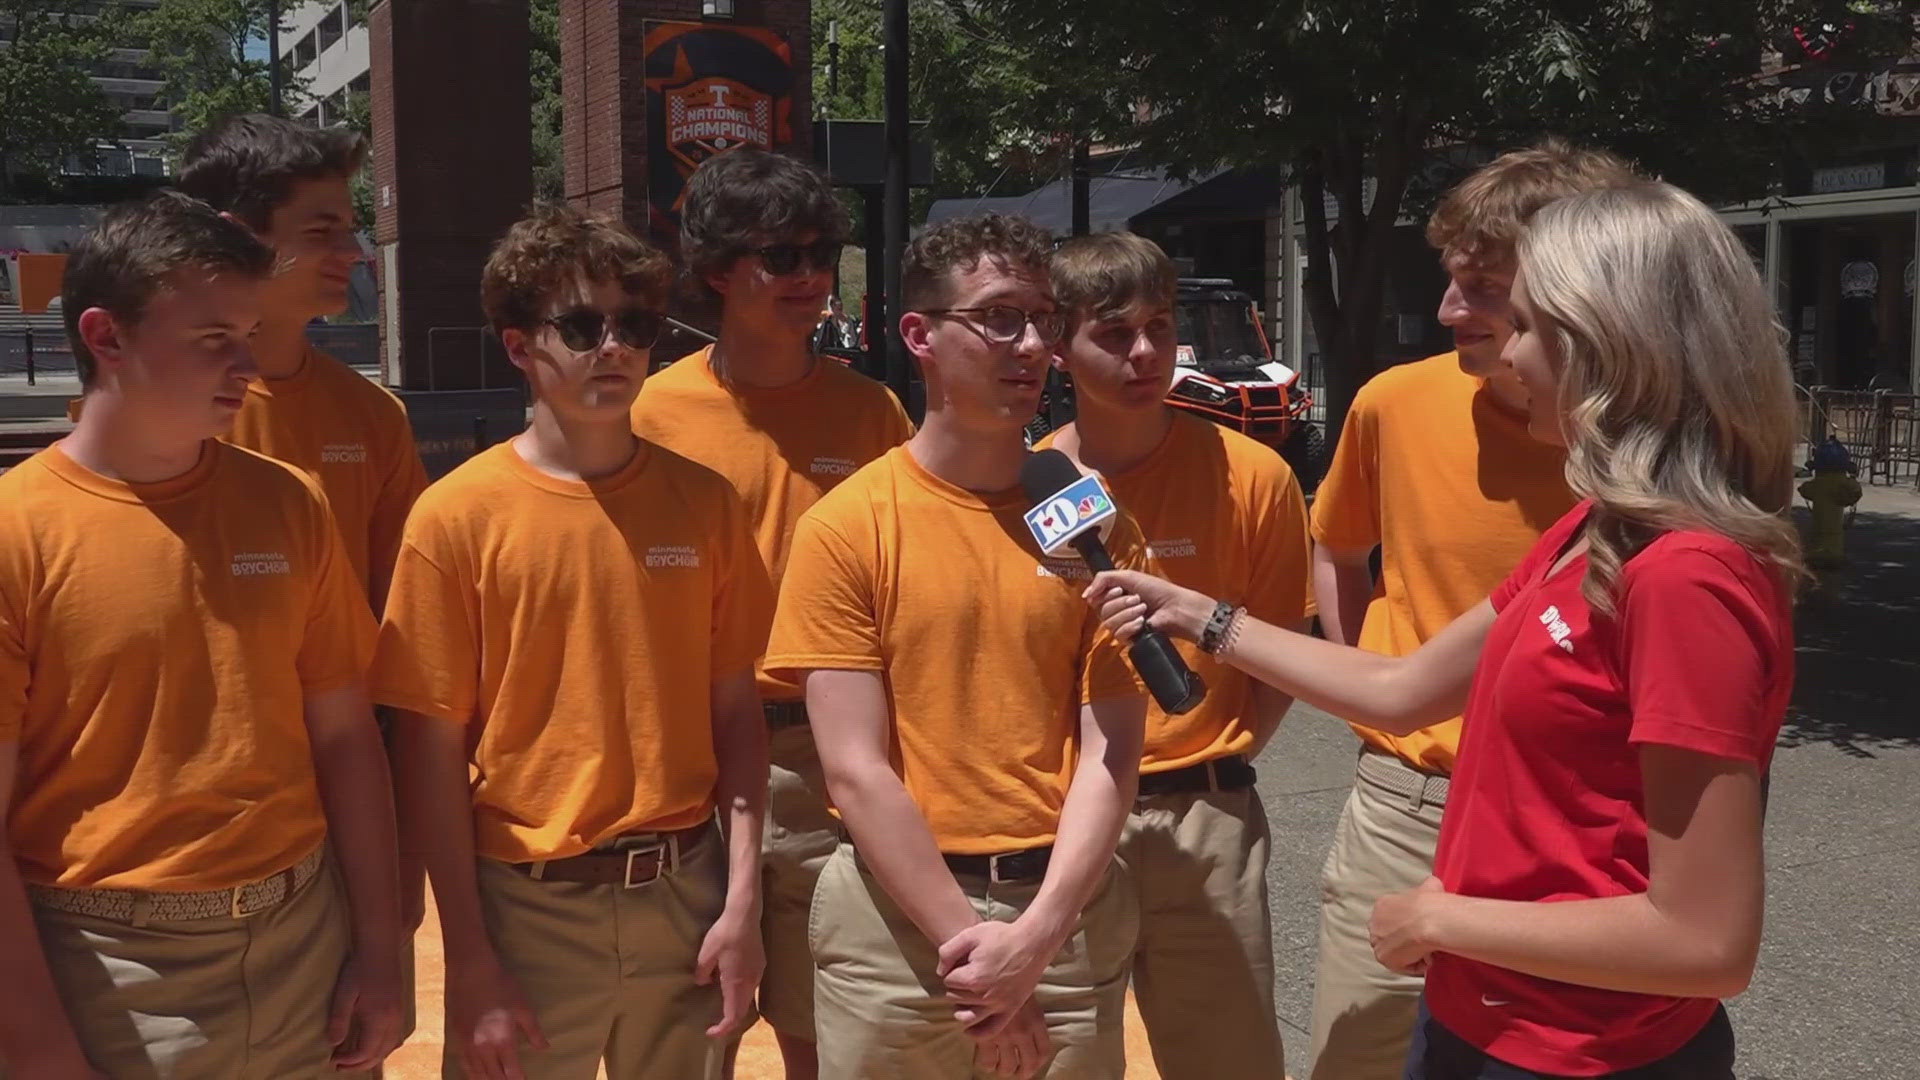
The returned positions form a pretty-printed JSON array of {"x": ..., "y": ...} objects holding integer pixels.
[
  {"x": 556, "y": 246},
  {"x": 746, "y": 197},
  {"x": 1482, "y": 217},
  {"x": 137, "y": 251},
  {"x": 958, "y": 244},
  {"x": 247, "y": 165}
]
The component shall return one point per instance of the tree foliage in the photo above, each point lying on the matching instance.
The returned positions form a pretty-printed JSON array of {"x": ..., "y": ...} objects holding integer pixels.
[
  {"x": 1374, "y": 106},
  {"x": 201, "y": 46},
  {"x": 50, "y": 105}
]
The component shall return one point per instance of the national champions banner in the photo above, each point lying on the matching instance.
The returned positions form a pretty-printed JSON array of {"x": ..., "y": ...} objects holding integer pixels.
[{"x": 710, "y": 89}]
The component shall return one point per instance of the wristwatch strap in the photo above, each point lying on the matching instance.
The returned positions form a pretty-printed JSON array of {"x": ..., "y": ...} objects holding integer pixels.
[{"x": 1213, "y": 635}]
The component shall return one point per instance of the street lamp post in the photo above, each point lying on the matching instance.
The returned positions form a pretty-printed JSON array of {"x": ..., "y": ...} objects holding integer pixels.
[
  {"x": 894, "y": 36},
  {"x": 273, "y": 58}
]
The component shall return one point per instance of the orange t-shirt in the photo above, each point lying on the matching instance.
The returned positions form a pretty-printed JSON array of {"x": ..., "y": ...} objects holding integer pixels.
[
  {"x": 1453, "y": 489},
  {"x": 1224, "y": 515},
  {"x": 987, "y": 650},
  {"x": 157, "y": 646},
  {"x": 350, "y": 435},
  {"x": 781, "y": 449},
  {"x": 576, "y": 629}
]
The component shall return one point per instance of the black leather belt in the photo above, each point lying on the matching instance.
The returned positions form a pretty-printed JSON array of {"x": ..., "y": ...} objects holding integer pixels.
[
  {"x": 1221, "y": 774},
  {"x": 629, "y": 863},
  {"x": 1012, "y": 866},
  {"x": 784, "y": 714}
]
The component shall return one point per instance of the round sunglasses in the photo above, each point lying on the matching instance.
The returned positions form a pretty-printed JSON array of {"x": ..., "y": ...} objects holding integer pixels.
[
  {"x": 583, "y": 329},
  {"x": 783, "y": 259}
]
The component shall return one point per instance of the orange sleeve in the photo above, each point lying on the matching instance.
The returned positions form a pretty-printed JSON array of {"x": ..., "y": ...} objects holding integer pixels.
[
  {"x": 1346, "y": 508},
  {"x": 428, "y": 660},
  {"x": 826, "y": 617},
  {"x": 338, "y": 646},
  {"x": 743, "y": 595},
  {"x": 403, "y": 479},
  {"x": 1280, "y": 590}
]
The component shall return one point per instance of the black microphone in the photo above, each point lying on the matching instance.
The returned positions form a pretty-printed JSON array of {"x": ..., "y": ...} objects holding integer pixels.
[{"x": 1068, "y": 510}]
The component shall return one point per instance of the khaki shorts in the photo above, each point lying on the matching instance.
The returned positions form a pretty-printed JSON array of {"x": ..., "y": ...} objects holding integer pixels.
[
  {"x": 204, "y": 999},
  {"x": 801, "y": 835},
  {"x": 877, "y": 1000},
  {"x": 1203, "y": 970},
  {"x": 608, "y": 971},
  {"x": 1363, "y": 1013}
]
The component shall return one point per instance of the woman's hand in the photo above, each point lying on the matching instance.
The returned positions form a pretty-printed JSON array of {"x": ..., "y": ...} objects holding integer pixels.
[{"x": 1128, "y": 601}]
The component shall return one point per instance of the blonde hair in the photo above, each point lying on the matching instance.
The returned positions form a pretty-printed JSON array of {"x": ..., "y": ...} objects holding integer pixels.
[
  {"x": 1675, "y": 385},
  {"x": 1106, "y": 273},
  {"x": 1482, "y": 217}
]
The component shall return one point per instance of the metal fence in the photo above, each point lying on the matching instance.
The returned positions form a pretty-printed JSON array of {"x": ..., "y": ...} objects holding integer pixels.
[
  {"x": 1880, "y": 428},
  {"x": 34, "y": 352}
]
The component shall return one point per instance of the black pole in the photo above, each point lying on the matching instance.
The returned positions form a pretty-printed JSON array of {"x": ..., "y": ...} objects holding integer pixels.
[
  {"x": 874, "y": 319},
  {"x": 894, "y": 35},
  {"x": 1082, "y": 190},
  {"x": 273, "y": 58},
  {"x": 833, "y": 58}
]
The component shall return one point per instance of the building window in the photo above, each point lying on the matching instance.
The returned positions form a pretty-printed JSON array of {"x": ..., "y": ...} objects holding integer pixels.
[
  {"x": 305, "y": 52},
  {"x": 330, "y": 28},
  {"x": 361, "y": 85}
]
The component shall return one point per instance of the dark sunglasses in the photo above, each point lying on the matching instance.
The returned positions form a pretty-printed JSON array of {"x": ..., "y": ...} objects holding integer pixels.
[
  {"x": 783, "y": 259},
  {"x": 583, "y": 329}
]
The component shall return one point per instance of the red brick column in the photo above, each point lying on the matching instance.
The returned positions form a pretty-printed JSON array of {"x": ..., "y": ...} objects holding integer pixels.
[
  {"x": 602, "y": 80},
  {"x": 453, "y": 167}
]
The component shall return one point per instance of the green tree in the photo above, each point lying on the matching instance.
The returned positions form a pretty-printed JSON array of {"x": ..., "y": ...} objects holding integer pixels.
[
  {"x": 543, "y": 61},
  {"x": 52, "y": 107},
  {"x": 201, "y": 46},
  {"x": 1373, "y": 106}
]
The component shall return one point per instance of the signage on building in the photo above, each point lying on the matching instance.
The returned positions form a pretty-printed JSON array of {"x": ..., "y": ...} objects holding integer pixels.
[
  {"x": 1859, "y": 279},
  {"x": 1849, "y": 178},
  {"x": 710, "y": 89},
  {"x": 1892, "y": 91}
]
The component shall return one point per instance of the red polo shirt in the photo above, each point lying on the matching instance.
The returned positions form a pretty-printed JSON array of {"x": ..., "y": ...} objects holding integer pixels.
[{"x": 1547, "y": 802}]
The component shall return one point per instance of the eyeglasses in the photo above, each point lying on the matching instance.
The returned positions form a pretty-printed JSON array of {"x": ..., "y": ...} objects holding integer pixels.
[
  {"x": 783, "y": 259},
  {"x": 583, "y": 329},
  {"x": 1002, "y": 325}
]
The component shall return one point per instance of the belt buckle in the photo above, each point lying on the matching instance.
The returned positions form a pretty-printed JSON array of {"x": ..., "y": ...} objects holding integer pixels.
[
  {"x": 993, "y": 870},
  {"x": 666, "y": 860},
  {"x": 238, "y": 910}
]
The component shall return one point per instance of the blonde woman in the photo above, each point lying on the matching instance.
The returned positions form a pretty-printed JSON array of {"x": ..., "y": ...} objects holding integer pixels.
[{"x": 1599, "y": 880}]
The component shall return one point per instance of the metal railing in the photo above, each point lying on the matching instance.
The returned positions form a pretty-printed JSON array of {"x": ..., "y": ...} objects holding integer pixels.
[{"x": 36, "y": 352}]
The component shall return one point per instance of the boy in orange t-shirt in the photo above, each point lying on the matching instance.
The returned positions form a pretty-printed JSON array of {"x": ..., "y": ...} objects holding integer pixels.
[
  {"x": 980, "y": 741},
  {"x": 183, "y": 723},
  {"x": 1436, "y": 468},
  {"x": 570, "y": 639},
  {"x": 289, "y": 183},
  {"x": 762, "y": 231},
  {"x": 1222, "y": 514}
]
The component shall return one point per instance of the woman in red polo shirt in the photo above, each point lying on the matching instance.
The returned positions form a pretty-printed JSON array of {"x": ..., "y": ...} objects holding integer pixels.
[{"x": 1599, "y": 880}]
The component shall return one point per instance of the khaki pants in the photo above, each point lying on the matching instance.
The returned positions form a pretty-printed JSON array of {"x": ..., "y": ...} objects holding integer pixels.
[
  {"x": 608, "y": 971},
  {"x": 1203, "y": 970},
  {"x": 204, "y": 999},
  {"x": 1363, "y": 1014},
  {"x": 881, "y": 1011},
  {"x": 801, "y": 835}
]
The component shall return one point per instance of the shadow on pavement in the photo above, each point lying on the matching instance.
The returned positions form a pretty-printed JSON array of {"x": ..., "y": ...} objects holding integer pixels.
[{"x": 1859, "y": 644}]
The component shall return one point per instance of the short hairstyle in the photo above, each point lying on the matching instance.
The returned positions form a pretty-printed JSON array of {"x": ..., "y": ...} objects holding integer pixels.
[
  {"x": 1104, "y": 274},
  {"x": 247, "y": 165},
  {"x": 557, "y": 245},
  {"x": 139, "y": 249},
  {"x": 958, "y": 244},
  {"x": 740, "y": 198},
  {"x": 1482, "y": 217}
]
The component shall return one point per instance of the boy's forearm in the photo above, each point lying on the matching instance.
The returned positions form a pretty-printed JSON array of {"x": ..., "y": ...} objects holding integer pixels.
[
  {"x": 33, "y": 1025},
  {"x": 350, "y": 765},
  {"x": 437, "y": 826},
  {"x": 740, "y": 746}
]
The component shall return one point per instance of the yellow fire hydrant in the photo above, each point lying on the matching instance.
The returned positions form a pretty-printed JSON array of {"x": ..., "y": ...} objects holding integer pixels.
[{"x": 1829, "y": 494}]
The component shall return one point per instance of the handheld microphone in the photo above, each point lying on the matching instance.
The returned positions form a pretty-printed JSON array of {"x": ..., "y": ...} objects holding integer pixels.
[{"x": 1075, "y": 511}]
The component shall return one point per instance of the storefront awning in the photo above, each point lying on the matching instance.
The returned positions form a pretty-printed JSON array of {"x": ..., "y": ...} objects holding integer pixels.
[{"x": 1113, "y": 201}]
